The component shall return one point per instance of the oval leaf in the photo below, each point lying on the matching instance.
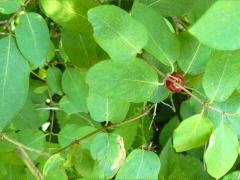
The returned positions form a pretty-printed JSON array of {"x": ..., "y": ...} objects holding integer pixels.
[
  {"x": 9, "y": 6},
  {"x": 76, "y": 89},
  {"x": 132, "y": 81},
  {"x": 54, "y": 168},
  {"x": 107, "y": 109},
  {"x": 33, "y": 38},
  {"x": 14, "y": 81},
  {"x": 71, "y": 14},
  {"x": 140, "y": 164},
  {"x": 109, "y": 151},
  {"x": 54, "y": 78},
  {"x": 193, "y": 54},
  {"x": 117, "y": 32},
  {"x": 162, "y": 43},
  {"x": 222, "y": 75},
  {"x": 80, "y": 48},
  {"x": 222, "y": 151},
  {"x": 192, "y": 132},
  {"x": 218, "y": 27}
]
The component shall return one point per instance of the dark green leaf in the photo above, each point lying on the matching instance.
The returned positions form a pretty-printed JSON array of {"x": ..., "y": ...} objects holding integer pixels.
[
  {"x": 73, "y": 84},
  {"x": 54, "y": 78}
]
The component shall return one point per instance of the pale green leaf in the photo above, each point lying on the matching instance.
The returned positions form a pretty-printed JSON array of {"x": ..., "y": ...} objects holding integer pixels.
[
  {"x": 54, "y": 78},
  {"x": 121, "y": 36},
  {"x": 9, "y": 6},
  {"x": 109, "y": 152},
  {"x": 192, "y": 132},
  {"x": 193, "y": 55},
  {"x": 54, "y": 169},
  {"x": 222, "y": 151},
  {"x": 14, "y": 81},
  {"x": 218, "y": 27},
  {"x": 133, "y": 81},
  {"x": 73, "y": 84},
  {"x": 162, "y": 43},
  {"x": 140, "y": 164},
  {"x": 32, "y": 138},
  {"x": 107, "y": 109},
  {"x": 72, "y": 132},
  {"x": 222, "y": 75},
  {"x": 83, "y": 162},
  {"x": 235, "y": 175},
  {"x": 71, "y": 14},
  {"x": 33, "y": 38}
]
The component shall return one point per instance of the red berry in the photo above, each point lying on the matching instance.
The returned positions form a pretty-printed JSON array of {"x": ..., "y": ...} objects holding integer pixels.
[{"x": 173, "y": 81}]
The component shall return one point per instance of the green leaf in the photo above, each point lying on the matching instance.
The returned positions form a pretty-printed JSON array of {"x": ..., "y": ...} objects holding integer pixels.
[
  {"x": 14, "y": 73},
  {"x": 218, "y": 27},
  {"x": 36, "y": 46},
  {"x": 232, "y": 107},
  {"x": 53, "y": 168},
  {"x": 72, "y": 132},
  {"x": 32, "y": 138},
  {"x": 133, "y": 81},
  {"x": 109, "y": 152},
  {"x": 71, "y": 14},
  {"x": 199, "y": 8},
  {"x": 73, "y": 84},
  {"x": 167, "y": 130},
  {"x": 117, "y": 32},
  {"x": 128, "y": 132},
  {"x": 193, "y": 55},
  {"x": 54, "y": 78},
  {"x": 9, "y": 6},
  {"x": 221, "y": 151},
  {"x": 175, "y": 166},
  {"x": 162, "y": 43},
  {"x": 140, "y": 164},
  {"x": 84, "y": 163},
  {"x": 232, "y": 176},
  {"x": 222, "y": 75},
  {"x": 29, "y": 117},
  {"x": 192, "y": 132},
  {"x": 80, "y": 48},
  {"x": 80, "y": 119},
  {"x": 170, "y": 8},
  {"x": 107, "y": 109}
]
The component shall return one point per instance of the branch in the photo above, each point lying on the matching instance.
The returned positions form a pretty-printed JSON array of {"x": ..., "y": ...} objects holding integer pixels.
[
  {"x": 4, "y": 136},
  {"x": 77, "y": 141},
  {"x": 28, "y": 162}
]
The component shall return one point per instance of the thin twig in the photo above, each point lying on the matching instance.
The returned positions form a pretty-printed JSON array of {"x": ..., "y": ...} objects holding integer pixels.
[
  {"x": 77, "y": 141},
  {"x": 28, "y": 162},
  {"x": 4, "y": 136}
]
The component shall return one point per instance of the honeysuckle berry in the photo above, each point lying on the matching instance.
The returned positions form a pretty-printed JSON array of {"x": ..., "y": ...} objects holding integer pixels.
[{"x": 174, "y": 82}]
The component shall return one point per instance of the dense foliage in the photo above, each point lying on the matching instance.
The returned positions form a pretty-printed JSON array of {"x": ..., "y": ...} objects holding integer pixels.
[{"x": 111, "y": 89}]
